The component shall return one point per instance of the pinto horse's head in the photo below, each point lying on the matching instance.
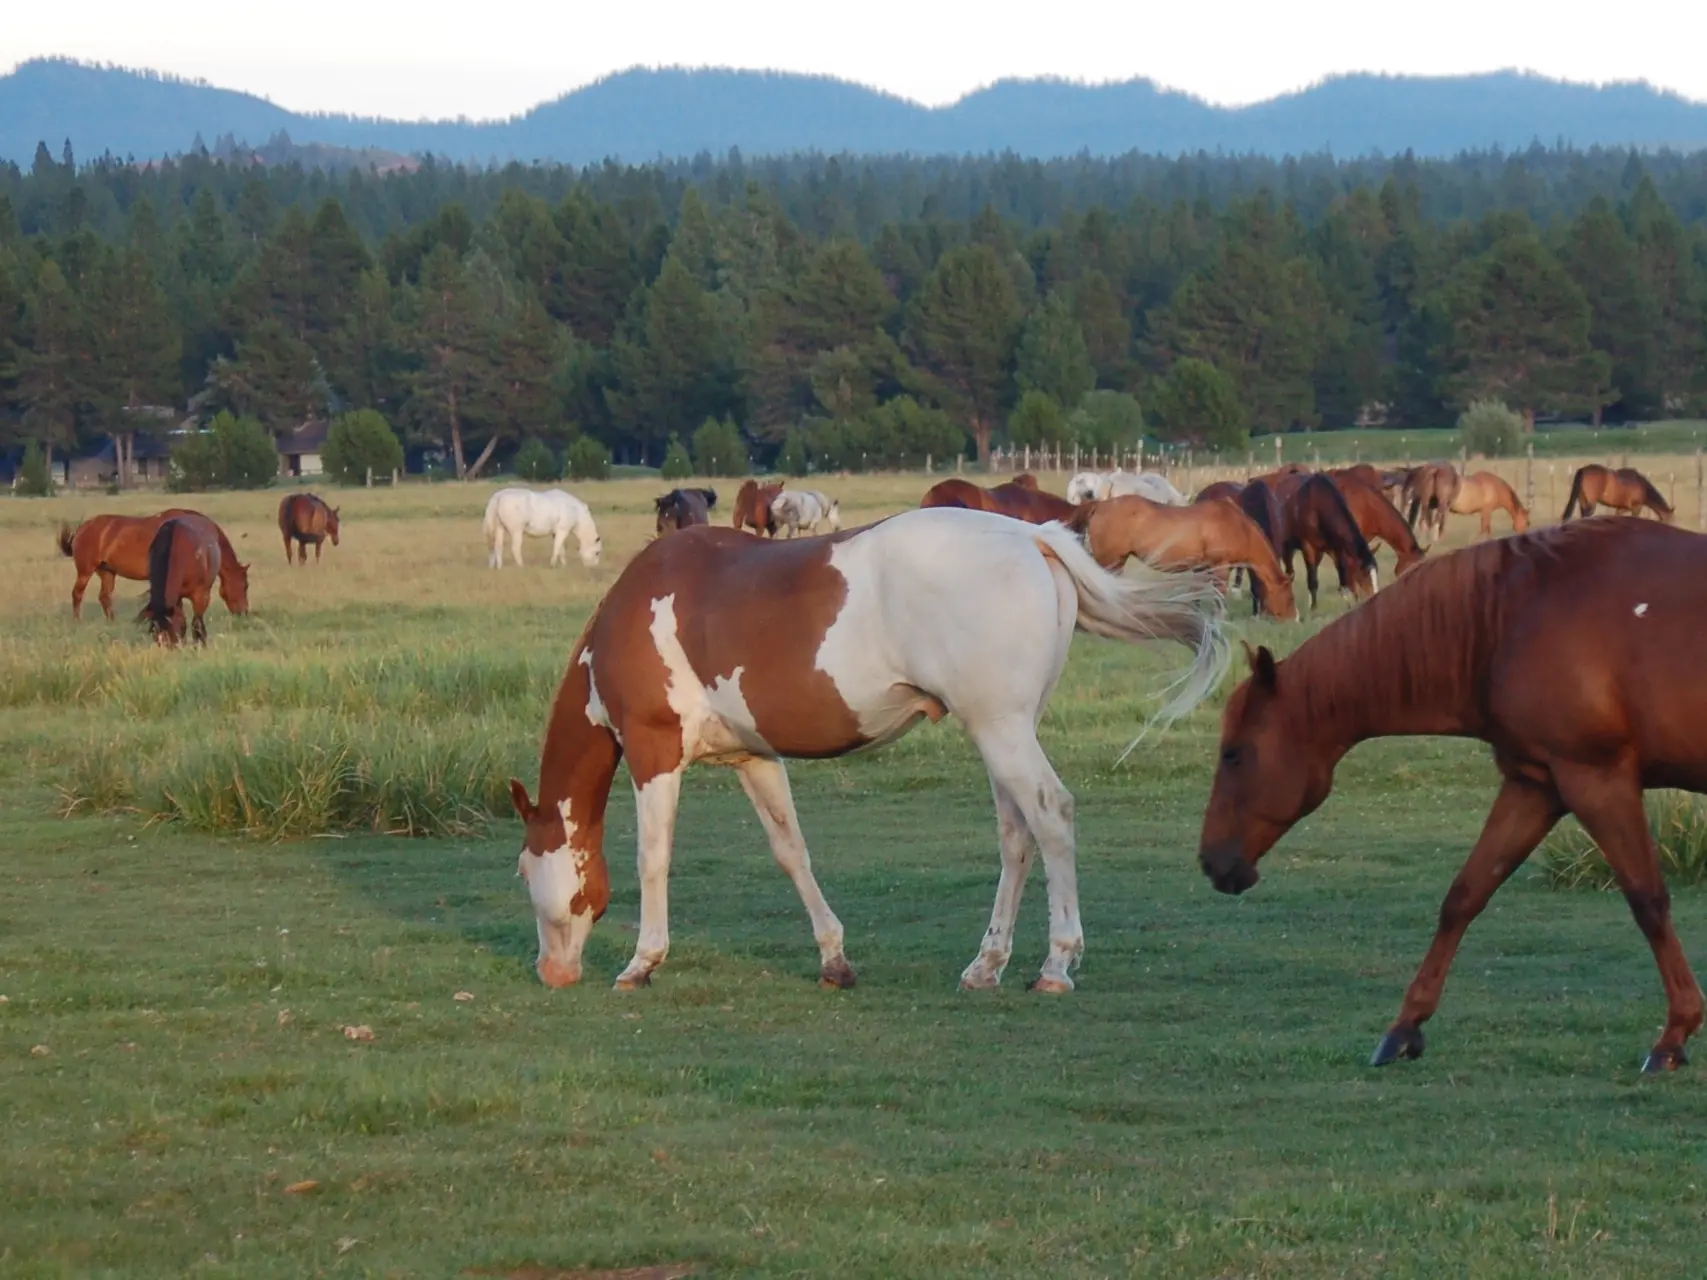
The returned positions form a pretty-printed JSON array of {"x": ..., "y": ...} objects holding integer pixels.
[
  {"x": 1269, "y": 776},
  {"x": 569, "y": 885}
]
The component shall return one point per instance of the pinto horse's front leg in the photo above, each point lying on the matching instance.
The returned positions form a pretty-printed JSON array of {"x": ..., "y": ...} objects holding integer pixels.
[{"x": 655, "y": 805}]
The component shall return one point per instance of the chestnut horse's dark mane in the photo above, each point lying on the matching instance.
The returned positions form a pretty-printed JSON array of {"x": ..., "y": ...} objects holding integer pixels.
[{"x": 1425, "y": 640}]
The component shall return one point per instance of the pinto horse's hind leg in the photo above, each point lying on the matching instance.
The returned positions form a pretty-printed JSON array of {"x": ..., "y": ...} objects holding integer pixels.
[
  {"x": 1523, "y": 814},
  {"x": 655, "y": 806},
  {"x": 1018, "y": 767},
  {"x": 766, "y": 785},
  {"x": 1017, "y": 849}
]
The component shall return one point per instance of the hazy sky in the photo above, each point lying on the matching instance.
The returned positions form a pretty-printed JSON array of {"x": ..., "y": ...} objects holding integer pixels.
[{"x": 437, "y": 58}]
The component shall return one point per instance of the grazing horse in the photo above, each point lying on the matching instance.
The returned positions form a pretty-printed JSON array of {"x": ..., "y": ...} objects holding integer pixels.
[
  {"x": 1379, "y": 520},
  {"x": 1626, "y": 489},
  {"x": 753, "y": 507},
  {"x": 718, "y": 647},
  {"x": 1093, "y": 486},
  {"x": 1485, "y": 493},
  {"x": 797, "y": 509},
  {"x": 1570, "y": 651},
  {"x": 1429, "y": 493},
  {"x": 183, "y": 564},
  {"x": 1220, "y": 491},
  {"x": 554, "y": 514},
  {"x": 1319, "y": 523},
  {"x": 306, "y": 518},
  {"x": 1202, "y": 536},
  {"x": 682, "y": 508},
  {"x": 1361, "y": 471},
  {"x": 1012, "y": 498},
  {"x": 117, "y": 547},
  {"x": 1258, "y": 501}
]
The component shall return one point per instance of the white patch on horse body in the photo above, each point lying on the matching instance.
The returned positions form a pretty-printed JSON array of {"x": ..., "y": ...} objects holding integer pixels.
[
  {"x": 596, "y": 712},
  {"x": 1641, "y": 610},
  {"x": 717, "y": 724}
]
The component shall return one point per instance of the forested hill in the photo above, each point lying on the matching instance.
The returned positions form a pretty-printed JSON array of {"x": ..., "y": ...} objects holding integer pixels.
[{"x": 641, "y": 115}]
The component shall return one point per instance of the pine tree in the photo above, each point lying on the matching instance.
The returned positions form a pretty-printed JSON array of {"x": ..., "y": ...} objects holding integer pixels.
[
  {"x": 1601, "y": 257},
  {"x": 1052, "y": 356},
  {"x": 1106, "y": 329},
  {"x": 1200, "y": 405},
  {"x": 135, "y": 348},
  {"x": 1670, "y": 278},
  {"x": 671, "y": 364},
  {"x": 453, "y": 348},
  {"x": 964, "y": 324},
  {"x": 48, "y": 388}
]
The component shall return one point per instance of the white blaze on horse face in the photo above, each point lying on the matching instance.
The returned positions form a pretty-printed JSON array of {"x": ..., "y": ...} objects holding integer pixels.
[{"x": 554, "y": 879}]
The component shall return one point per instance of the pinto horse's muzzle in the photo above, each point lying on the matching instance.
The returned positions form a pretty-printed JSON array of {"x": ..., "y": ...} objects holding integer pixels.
[{"x": 1227, "y": 868}]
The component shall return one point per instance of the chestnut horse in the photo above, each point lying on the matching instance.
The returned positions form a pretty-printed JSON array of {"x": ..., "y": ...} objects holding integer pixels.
[
  {"x": 1571, "y": 651},
  {"x": 117, "y": 547},
  {"x": 306, "y": 518},
  {"x": 183, "y": 564},
  {"x": 1485, "y": 493},
  {"x": 1202, "y": 536},
  {"x": 753, "y": 507},
  {"x": 1320, "y": 524},
  {"x": 1019, "y": 498},
  {"x": 1258, "y": 501},
  {"x": 683, "y": 508},
  {"x": 1379, "y": 520},
  {"x": 1363, "y": 471},
  {"x": 1429, "y": 493},
  {"x": 719, "y": 647},
  {"x": 1625, "y": 489}
]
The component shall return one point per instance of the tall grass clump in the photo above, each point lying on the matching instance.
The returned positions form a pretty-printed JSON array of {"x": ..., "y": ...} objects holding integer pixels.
[{"x": 1570, "y": 859}]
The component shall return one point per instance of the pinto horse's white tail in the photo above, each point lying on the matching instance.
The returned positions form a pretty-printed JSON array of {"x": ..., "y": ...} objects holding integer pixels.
[{"x": 1146, "y": 603}]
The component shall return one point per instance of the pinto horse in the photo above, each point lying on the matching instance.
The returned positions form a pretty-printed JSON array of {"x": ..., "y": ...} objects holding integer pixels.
[
  {"x": 1379, "y": 520},
  {"x": 683, "y": 508},
  {"x": 1571, "y": 651},
  {"x": 117, "y": 547},
  {"x": 1019, "y": 498},
  {"x": 753, "y": 507},
  {"x": 1626, "y": 489},
  {"x": 183, "y": 564},
  {"x": 1202, "y": 536},
  {"x": 306, "y": 519},
  {"x": 1485, "y": 493},
  {"x": 1320, "y": 524},
  {"x": 719, "y": 647}
]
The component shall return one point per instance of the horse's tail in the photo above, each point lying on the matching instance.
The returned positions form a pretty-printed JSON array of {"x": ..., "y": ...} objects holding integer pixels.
[
  {"x": 1576, "y": 494},
  {"x": 67, "y": 536},
  {"x": 157, "y": 612},
  {"x": 1144, "y": 603},
  {"x": 1652, "y": 497},
  {"x": 488, "y": 523}
]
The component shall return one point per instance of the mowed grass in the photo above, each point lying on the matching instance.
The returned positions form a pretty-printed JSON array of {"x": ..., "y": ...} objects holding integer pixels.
[{"x": 173, "y": 1053}]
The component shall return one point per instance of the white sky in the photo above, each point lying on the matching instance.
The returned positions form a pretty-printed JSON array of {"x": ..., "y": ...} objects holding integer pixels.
[{"x": 439, "y": 58}]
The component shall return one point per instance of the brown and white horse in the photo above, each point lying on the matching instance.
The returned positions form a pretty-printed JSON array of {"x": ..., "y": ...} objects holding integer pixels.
[{"x": 734, "y": 650}]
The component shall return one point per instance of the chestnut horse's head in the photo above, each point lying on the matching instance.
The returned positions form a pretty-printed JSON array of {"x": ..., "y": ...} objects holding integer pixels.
[
  {"x": 1269, "y": 776},
  {"x": 332, "y": 524},
  {"x": 234, "y": 585}
]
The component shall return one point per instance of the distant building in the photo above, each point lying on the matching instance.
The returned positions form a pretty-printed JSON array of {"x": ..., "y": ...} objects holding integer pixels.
[{"x": 300, "y": 449}]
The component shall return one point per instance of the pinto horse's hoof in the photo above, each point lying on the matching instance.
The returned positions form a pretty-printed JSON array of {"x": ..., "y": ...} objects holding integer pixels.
[
  {"x": 836, "y": 975},
  {"x": 634, "y": 981},
  {"x": 1400, "y": 1042},
  {"x": 1051, "y": 986},
  {"x": 1665, "y": 1059}
]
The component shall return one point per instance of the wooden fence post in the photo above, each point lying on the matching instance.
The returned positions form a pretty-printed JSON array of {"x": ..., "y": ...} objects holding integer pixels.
[
  {"x": 1529, "y": 476},
  {"x": 1700, "y": 495}
]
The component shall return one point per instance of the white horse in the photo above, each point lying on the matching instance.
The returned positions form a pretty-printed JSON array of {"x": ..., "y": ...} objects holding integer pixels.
[
  {"x": 743, "y": 651},
  {"x": 1089, "y": 486},
  {"x": 797, "y": 509},
  {"x": 511, "y": 513}
]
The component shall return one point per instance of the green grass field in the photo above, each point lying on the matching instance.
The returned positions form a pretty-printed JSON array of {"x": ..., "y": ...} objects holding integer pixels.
[{"x": 179, "y": 1093}]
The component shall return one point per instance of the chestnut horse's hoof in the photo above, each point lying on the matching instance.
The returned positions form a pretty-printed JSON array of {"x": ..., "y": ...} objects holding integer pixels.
[
  {"x": 1669, "y": 1058},
  {"x": 1051, "y": 986},
  {"x": 836, "y": 975},
  {"x": 1400, "y": 1042}
]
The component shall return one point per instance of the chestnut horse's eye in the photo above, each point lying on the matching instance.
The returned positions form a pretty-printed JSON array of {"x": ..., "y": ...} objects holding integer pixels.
[{"x": 1229, "y": 755}]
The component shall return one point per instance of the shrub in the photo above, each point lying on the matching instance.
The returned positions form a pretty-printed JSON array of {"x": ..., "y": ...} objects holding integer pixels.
[
  {"x": 1570, "y": 859},
  {"x": 1201, "y": 406},
  {"x": 589, "y": 459},
  {"x": 719, "y": 450},
  {"x": 898, "y": 433},
  {"x": 1037, "y": 420},
  {"x": 1106, "y": 420},
  {"x": 34, "y": 479},
  {"x": 361, "y": 442},
  {"x": 233, "y": 453},
  {"x": 1489, "y": 428},
  {"x": 792, "y": 460},
  {"x": 677, "y": 464},
  {"x": 535, "y": 461}
]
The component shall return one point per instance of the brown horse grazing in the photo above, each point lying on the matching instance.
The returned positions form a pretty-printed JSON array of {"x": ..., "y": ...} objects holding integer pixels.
[
  {"x": 1361, "y": 471},
  {"x": 1429, "y": 492},
  {"x": 1202, "y": 536},
  {"x": 683, "y": 508},
  {"x": 1571, "y": 651},
  {"x": 753, "y": 507},
  {"x": 117, "y": 547},
  {"x": 1220, "y": 491},
  {"x": 183, "y": 564},
  {"x": 306, "y": 518},
  {"x": 1019, "y": 498},
  {"x": 1379, "y": 520},
  {"x": 1320, "y": 524},
  {"x": 1485, "y": 493},
  {"x": 1626, "y": 489}
]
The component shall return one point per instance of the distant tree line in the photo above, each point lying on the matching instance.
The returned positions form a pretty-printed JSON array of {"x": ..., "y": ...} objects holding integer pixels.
[{"x": 849, "y": 312}]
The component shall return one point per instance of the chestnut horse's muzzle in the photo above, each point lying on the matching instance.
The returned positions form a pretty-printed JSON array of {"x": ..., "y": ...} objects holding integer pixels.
[{"x": 1227, "y": 868}]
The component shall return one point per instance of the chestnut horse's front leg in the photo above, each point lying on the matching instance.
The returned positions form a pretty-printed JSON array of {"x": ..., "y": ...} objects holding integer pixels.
[{"x": 1523, "y": 813}]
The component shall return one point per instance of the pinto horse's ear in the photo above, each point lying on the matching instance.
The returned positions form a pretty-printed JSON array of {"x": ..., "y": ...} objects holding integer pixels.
[
  {"x": 1262, "y": 666},
  {"x": 519, "y": 798}
]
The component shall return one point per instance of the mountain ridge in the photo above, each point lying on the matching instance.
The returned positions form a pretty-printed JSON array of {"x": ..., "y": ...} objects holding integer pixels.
[{"x": 642, "y": 114}]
